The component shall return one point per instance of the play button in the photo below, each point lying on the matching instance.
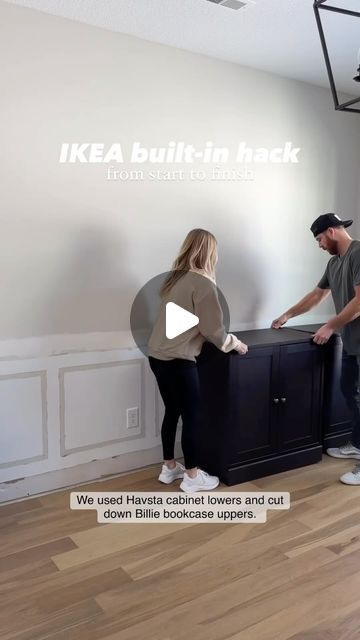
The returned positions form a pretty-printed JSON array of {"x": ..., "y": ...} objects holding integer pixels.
[
  {"x": 147, "y": 306},
  {"x": 178, "y": 320}
]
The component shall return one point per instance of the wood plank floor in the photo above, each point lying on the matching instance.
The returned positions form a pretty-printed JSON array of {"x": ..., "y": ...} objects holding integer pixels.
[{"x": 296, "y": 577}]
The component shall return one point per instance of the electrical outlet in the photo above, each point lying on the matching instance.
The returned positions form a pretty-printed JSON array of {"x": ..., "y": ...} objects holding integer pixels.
[{"x": 132, "y": 418}]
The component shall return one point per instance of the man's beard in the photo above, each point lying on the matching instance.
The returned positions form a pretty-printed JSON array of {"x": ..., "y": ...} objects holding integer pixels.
[{"x": 332, "y": 247}]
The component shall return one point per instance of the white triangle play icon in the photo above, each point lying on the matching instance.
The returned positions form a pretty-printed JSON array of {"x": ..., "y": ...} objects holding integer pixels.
[{"x": 178, "y": 320}]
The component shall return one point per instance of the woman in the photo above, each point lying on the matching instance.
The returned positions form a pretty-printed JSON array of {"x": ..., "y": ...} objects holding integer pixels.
[{"x": 191, "y": 285}]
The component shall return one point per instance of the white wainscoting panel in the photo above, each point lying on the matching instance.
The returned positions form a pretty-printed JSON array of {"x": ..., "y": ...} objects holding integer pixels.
[
  {"x": 94, "y": 399},
  {"x": 23, "y": 418},
  {"x": 63, "y": 416}
]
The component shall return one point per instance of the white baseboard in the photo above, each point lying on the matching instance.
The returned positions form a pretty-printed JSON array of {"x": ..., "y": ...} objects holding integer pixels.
[{"x": 96, "y": 471}]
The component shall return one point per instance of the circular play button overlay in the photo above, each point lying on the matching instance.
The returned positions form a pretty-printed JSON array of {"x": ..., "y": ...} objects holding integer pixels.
[
  {"x": 178, "y": 320},
  {"x": 150, "y": 308}
]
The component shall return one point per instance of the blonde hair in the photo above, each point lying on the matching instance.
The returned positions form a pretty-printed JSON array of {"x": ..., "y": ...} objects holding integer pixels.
[{"x": 198, "y": 252}]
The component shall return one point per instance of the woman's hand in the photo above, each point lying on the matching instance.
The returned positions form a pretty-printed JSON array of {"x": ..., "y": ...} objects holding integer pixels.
[{"x": 242, "y": 348}]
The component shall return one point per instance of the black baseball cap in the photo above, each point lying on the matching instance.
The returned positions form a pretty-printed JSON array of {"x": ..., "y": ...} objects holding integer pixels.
[{"x": 328, "y": 220}]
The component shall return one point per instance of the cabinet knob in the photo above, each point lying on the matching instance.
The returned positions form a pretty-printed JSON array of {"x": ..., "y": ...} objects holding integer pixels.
[
  {"x": 276, "y": 400},
  {"x": 283, "y": 400}
]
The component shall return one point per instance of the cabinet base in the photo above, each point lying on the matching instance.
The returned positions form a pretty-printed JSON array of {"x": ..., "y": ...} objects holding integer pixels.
[
  {"x": 336, "y": 439},
  {"x": 277, "y": 464}
]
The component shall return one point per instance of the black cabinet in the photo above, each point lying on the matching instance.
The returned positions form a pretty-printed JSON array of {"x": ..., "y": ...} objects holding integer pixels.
[
  {"x": 262, "y": 411},
  {"x": 336, "y": 417}
]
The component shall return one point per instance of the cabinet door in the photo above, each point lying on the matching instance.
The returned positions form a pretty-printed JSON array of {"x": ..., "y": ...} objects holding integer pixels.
[
  {"x": 253, "y": 430},
  {"x": 300, "y": 382}
]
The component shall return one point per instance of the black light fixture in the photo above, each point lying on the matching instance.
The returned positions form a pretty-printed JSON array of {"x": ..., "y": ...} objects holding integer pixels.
[
  {"x": 319, "y": 6},
  {"x": 357, "y": 78}
]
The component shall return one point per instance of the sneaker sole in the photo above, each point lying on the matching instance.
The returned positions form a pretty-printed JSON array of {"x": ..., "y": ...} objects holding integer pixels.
[
  {"x": 169, "y": 481},
  {"x": 343, "y": 456},
  {"x": 353, "y": 484},
  {"x": 191, "y": 489}
]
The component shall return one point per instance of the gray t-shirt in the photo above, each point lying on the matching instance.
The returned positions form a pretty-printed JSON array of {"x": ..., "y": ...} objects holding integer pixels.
[{"x": 341, "y": 276}]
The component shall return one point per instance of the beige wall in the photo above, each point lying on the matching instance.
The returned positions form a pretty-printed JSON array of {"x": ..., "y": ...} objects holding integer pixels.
[{"x": 75, "y": 248}]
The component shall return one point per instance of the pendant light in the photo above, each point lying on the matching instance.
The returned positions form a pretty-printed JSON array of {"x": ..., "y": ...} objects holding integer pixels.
[{"x": 319, "y": 7}]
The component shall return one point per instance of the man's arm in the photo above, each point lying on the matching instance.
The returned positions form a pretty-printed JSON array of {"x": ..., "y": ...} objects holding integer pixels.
[
  {"x": 349, "y": 313},
  {"x": 306, "y": 303}
]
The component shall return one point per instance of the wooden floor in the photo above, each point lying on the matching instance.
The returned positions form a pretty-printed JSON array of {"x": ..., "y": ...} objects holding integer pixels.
[{"x": 65, "y": 577}]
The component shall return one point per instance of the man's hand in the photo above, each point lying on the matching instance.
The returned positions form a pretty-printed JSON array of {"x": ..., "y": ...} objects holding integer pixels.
[
  {"x": 278, "y": 322},
  {"x": 323, "y": 334}
]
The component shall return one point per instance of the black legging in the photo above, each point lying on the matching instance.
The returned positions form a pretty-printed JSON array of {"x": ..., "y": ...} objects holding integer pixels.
[{"x": 179, "y": 387}]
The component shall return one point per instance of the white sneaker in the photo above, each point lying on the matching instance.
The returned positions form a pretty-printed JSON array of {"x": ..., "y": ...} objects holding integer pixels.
[
  {"x": 346, "y": 451},
  {"x": 352, "y": 477},
  {"x": 201, "y": 482},
  {"x": 169, "y": 475}
]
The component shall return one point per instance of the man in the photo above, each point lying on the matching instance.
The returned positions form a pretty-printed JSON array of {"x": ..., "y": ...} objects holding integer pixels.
[{"x": 342, "y": 278}]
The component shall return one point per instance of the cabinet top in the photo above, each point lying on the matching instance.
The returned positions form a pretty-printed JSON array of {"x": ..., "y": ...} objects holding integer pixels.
[
  {"x": 269, "y": 337},
  {"x": 309, "y": 328}
]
